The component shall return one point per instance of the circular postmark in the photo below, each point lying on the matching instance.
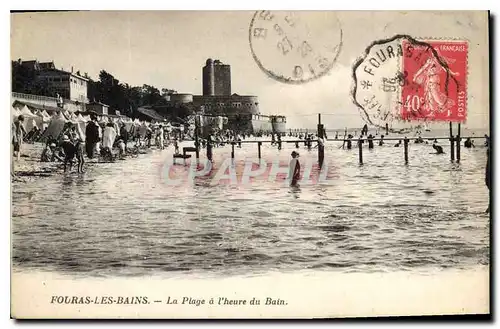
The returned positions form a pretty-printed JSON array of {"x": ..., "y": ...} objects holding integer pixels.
[
  {"x": 404, "y": 79},
  {"x": 295, "y": 47}
]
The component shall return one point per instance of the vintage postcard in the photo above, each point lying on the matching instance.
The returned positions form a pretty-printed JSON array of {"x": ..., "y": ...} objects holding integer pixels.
[{"x": 249, "y": 164}]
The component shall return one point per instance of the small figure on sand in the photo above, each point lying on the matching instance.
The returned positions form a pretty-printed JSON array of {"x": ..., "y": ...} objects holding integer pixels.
[
  {"x": 294, "y": 169},
  {"x": 176, "y": 145},
  {"x": 49, "y": 153},
  {"x": 18, "y": 133},
  {"x": 124, "y": 135},
  {"x": 161, "y": 137},
  {"x": 398, "y": 144}
]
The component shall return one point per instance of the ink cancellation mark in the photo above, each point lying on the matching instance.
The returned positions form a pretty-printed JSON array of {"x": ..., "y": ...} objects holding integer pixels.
[
  {"x": 402, "y": 78},
  {"x": 295, "y": 47}
]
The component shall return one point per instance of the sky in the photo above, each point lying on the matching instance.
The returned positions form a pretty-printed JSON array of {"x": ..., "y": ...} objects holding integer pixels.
[{"x": 168, "y": 49}]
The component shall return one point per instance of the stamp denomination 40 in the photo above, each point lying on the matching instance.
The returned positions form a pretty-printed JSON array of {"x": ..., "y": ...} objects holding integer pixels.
[{"x": 406, "y": 79}]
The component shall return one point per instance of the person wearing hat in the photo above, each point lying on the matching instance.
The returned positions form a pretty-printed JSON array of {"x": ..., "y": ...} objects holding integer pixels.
[
  {"x": 294, "y": 169},
  {"x": 91, "y": 136},
  {"x": 49, "y": 153},
  {"x": 124, "y": 134},
  {"x": 18, "y": 133}
]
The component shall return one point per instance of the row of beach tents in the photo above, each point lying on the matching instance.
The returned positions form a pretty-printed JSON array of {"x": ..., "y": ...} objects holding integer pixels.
[{"x": 53, "y": 125}]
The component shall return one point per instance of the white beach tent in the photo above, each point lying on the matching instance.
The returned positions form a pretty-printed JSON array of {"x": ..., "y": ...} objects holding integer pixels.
[
  {"x": 67, "y": 115},
  {"x": 81, "y": 125},
  {"x": 29, "y": 117},
  {"x": 103, "y": 120},
  {"x": 15, "y": 113},
  {"x": 128, "y": 123},
  {"x": 39, "y": 119}
]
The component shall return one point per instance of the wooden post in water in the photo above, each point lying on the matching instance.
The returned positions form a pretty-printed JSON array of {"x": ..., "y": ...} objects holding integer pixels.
[
  {"x": 360, "y": 147},
  {"x": 232, "y": 150},
  {"x": 196, "y": 139},
  {"x": 321, "y": 148},
  {"x": 452, "y": 146},
  {"x": 259, "y": 144},
  {"x": 458, "y": 144},
  {"x": 406, "y": 149}
]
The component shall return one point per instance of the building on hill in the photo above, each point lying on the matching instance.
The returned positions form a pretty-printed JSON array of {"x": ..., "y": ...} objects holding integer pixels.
[
  {"x": 98, "y": 107},
  {"x": 68, "y": 85}
]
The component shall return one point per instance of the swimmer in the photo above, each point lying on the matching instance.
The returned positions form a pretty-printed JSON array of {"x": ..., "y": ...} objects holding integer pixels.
[
  {"x": 438, "y": 148},
  {"x": 381, "y": 142},
  {"x": 370, "y": 141},
  {"x": 469, "y": 143}
]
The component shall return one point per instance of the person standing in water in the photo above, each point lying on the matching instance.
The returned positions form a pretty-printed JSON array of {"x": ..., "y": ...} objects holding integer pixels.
[
  {"x": 364, "y": 131},
  {"x": 209, "y": 147},
  {"x": 469, "y": 143},
  {"x": 161, "y": 137},
  {"x": 349, "y": 141},
  {"x": 279, "y": 142},
  {"x": 370, "y": 141},
  {"x": 294, "y": 169},
  {"x": 108, "y": 140},
  {"x": 381, "y": 141},
  {"x": 438, "y": 148},
  {"x": 18, "y": 133},
  {"x": 91, "y": 136}
]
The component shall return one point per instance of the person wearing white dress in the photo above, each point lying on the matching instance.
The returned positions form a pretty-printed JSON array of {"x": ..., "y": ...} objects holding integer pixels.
[{"x": 108, "y": 138}]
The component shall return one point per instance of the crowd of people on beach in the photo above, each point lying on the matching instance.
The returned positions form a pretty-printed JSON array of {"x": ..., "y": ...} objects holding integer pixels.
[{"x": 104, "y": 141}]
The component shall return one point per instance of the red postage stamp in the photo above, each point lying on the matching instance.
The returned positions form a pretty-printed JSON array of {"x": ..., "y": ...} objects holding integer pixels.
[
  {"x": 408, "y": 79},
  {"x": 435, "y": 87}
]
